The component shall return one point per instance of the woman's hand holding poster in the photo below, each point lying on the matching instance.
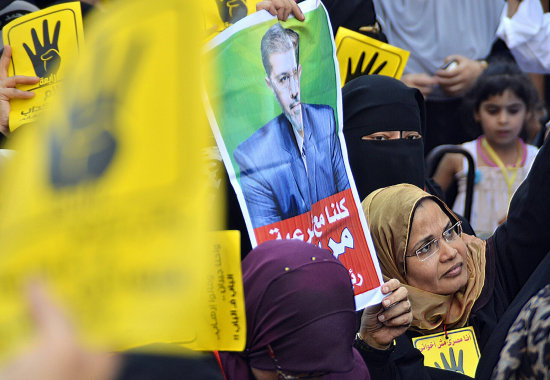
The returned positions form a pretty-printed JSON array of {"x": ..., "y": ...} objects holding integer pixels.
[{"x": 274, "y": 103}]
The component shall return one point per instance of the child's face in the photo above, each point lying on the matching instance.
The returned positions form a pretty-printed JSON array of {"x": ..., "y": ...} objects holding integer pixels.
[{"x": 502, "y": 117}]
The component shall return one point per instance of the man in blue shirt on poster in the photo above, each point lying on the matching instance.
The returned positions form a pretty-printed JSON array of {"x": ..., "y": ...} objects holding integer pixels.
[{"x": 294, "y": 160}]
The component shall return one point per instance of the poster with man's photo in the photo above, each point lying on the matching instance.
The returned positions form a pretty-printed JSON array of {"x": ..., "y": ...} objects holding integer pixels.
[{"x": 273, "y": 100}]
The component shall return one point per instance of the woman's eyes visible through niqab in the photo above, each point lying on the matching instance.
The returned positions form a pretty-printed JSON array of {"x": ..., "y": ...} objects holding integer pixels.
[{"x": 392, "y": 135}]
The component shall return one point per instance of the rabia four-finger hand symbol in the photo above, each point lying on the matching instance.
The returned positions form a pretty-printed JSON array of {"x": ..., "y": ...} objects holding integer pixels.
[
  {"x": 358, "y": 71},
  {"x": 452, "y": 364},
  {"x": 45, "y": 58}
]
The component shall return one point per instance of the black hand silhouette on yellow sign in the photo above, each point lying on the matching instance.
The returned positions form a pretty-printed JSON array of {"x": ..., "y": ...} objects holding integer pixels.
[
  {"x": 454, "y": 366},
  {"x": 232, "y": 11},
  {"x": 45, "y": 59},
  {"x": 367, "y": 71},
  {"x": 85, "y": 151}
]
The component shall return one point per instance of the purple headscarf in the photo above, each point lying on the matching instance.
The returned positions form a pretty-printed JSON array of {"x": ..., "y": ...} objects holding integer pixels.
[{"x": 299, "y": 300}]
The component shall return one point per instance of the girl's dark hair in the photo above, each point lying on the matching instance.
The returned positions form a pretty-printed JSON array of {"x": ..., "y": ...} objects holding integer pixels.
[{"x": 497, "y": 78}]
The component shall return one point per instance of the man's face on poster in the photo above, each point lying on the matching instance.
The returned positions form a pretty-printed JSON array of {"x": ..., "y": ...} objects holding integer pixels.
[{"x": 284, "y": 81}]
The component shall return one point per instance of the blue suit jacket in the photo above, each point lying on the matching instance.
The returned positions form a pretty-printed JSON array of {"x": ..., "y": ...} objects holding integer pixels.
[{"x": 273, "y": 176}]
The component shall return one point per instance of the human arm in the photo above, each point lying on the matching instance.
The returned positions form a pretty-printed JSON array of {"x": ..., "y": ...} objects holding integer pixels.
[
  {"x": 281, "y": 8},
  {"x": 8, "y": 90},
  {"x": 56, "y": 354},
  {"x": 450, "y": 165},
  {"x": 512, "y": 7},
  {"x": 423, "y": 82},
  {"x": 525, "y": 29},
  {"x": 461, "y": 78}
]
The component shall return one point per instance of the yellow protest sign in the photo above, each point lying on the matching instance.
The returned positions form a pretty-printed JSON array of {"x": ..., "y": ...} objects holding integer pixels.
[
  {"x": 105, "y": 201},
  {"x": 224, "y": 292},
  {"x": 359, "y": 55},
  {"x": 219, "y": 14},
  {"x": 44, "y": 43},
  {"x": 458, "y": 351}
]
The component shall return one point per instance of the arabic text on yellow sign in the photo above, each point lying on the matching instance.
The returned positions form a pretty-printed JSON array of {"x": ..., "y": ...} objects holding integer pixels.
[
  {"x": 225, "y": 315},
  {"x": 458, "y": 351}
]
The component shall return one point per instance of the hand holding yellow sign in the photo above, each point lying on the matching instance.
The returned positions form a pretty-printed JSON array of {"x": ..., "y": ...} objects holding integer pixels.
[{"x": 43, "y": 43}]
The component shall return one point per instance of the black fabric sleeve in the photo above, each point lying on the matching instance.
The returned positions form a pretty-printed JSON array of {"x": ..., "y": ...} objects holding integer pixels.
[
  {"x": 140, "y": 366},
  {"x": 522, "y": 242},
  {"x": 353, "y": 14},
  {"x": 491, "y": 355}
]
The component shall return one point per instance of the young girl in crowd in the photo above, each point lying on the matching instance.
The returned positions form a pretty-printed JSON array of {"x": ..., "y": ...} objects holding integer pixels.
[{"x": 502, "y": 99}]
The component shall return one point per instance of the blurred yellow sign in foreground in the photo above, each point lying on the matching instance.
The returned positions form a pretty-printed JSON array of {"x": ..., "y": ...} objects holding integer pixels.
[
  {"x": 44, "y": 44},
  {"x": 108, "y": 200},
  {"x": 362, "y": 55}
]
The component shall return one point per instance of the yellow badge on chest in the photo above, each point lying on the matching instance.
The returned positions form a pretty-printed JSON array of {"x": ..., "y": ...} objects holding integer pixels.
[{"x": 455, "y": 351}]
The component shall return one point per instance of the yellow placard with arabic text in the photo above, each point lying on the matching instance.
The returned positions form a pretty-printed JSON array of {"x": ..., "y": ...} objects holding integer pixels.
[
  {"x": 44, "y": 44},
  {"x": 457, "y": 352},
  {"x": 359, "y": 55},
  {"x": 225, "y": 316},
  {"x": 219, "y": 14},
  {"x": 106, "y": 200}
]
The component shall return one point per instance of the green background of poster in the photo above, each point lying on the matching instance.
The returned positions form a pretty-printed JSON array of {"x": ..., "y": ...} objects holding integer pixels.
[{"x": 240, "y": 99}]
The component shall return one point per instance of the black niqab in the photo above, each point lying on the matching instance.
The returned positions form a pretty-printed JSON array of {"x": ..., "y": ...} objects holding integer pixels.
[{"x": 376, "y": 103}]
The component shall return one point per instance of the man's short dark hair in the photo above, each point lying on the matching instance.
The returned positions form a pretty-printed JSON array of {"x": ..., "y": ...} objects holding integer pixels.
[{"x": 279, "y": 40}]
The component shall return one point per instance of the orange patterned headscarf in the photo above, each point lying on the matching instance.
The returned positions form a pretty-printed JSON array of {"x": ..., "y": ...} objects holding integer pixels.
[{"x": 390, "y": 212}]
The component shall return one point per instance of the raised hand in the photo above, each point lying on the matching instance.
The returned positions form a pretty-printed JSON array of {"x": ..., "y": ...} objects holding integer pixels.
[
  {"x": 367, "y": 70},
  {"x": 56, "y": 354},
  {"x": 45, "y": 59},
  {"x": 281, "y": 8},
  {"x": 381, "y": 324}
]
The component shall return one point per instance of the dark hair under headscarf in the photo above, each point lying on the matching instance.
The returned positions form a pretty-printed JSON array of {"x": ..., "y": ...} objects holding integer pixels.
[
  {"x": 376, "y": 103},
  {"x": 299, "y": 300}
]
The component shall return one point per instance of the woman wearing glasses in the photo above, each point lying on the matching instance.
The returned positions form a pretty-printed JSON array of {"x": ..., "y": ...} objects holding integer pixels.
[{"x": 456, "y": 280}]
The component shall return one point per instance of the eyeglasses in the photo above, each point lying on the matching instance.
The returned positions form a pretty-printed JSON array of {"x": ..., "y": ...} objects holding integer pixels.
[
  {"x": 287, "y": 376},
  {"x": 432, "y": 247}
]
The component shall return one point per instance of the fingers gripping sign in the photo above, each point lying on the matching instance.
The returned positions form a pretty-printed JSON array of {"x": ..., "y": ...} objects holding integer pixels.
[
  {"x": 382, "y": 323},
  {"x": 46, "y": 58},
  {"x": 8, "y": 90}
]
